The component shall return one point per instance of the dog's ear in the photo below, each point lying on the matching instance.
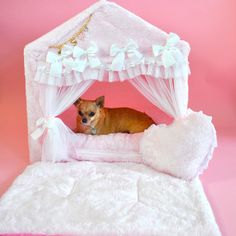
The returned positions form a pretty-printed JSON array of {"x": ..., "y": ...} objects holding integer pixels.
[
  {"x": 76, "y": 103},
  {"x": 100, "y": 101}
]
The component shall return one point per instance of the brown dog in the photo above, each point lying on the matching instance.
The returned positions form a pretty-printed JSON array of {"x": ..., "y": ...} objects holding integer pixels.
[{"x": 94, "y": 118}]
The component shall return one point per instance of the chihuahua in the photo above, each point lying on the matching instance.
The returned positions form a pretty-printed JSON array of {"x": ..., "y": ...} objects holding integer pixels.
[{"x": 94, "y": 118}]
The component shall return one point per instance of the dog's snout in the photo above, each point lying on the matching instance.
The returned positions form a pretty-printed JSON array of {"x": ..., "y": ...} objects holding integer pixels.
[{"x": 84, "y": 120}]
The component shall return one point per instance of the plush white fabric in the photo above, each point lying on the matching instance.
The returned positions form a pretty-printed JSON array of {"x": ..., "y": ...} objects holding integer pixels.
[
  {"x": 181, "y": 149},
  {"x": 118, "y": 147},
  {"x": 87, "y": 198}
]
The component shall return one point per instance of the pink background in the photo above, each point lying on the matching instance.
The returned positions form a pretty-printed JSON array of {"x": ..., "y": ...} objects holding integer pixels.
[{"x": 208, "y": 25}]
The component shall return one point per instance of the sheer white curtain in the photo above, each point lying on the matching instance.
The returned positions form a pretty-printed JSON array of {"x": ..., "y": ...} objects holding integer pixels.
[
  {"x": 54, "y": 134},
  {"x": 170, "y": 95}
]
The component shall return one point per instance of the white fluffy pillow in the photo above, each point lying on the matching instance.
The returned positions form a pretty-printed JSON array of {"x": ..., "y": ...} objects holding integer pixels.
[{"x": 181, "y": 149}]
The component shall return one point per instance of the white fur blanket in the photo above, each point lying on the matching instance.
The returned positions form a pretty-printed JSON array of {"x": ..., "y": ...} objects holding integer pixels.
[{"x": 87, "y": 198}]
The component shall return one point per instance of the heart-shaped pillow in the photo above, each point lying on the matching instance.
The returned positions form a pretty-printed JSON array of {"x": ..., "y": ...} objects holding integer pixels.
[{"x": 182, "y": 149}]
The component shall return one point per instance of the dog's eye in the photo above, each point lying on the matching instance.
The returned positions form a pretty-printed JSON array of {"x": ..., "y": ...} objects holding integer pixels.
[
  {"x": 81, "y": 113},
  {"x": 91, "y": 114}
]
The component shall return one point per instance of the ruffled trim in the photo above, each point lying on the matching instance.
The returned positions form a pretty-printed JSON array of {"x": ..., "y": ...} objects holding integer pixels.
[
  {"x": 43, "y": 76},
  {"x": 204, "y": 164}
]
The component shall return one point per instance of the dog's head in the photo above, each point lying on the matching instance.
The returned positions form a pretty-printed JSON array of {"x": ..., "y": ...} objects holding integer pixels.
[{"x": 89, "y": 110}]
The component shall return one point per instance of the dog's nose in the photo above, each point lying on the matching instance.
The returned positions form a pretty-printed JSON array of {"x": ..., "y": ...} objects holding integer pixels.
[{"x": 84, "y": 120}]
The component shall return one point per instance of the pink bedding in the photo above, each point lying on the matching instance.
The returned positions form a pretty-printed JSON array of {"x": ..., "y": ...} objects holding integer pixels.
[{"x": 113, "y": 147}]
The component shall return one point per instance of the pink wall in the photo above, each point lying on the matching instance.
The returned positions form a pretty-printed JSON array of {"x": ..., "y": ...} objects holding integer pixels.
[{"x": 208, "y": 25}]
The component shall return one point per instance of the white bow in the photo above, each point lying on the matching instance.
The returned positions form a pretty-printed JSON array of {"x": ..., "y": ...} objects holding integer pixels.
[
  {"x": 56, "y": 60},
  {"x": 168, "y": 50},
  {"x": 119, "y": 55},
  {"x": 42, "y": 124},
  {"x": 68, "y": 64},
  {"x": 89, "y": 58}
]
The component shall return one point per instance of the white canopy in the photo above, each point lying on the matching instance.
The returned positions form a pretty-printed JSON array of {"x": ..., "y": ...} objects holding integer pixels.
[{"x": 105, "y": 43}]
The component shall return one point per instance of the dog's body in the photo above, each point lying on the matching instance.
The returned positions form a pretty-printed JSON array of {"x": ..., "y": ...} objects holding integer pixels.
[{"x": 94, "y": 118}]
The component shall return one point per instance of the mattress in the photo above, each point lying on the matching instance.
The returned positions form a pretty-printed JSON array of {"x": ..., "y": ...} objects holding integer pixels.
[{"x": 97, "y": 198}]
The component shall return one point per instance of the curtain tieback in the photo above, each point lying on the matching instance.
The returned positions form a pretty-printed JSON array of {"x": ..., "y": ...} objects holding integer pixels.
[{"x": 42, "y": 124}]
